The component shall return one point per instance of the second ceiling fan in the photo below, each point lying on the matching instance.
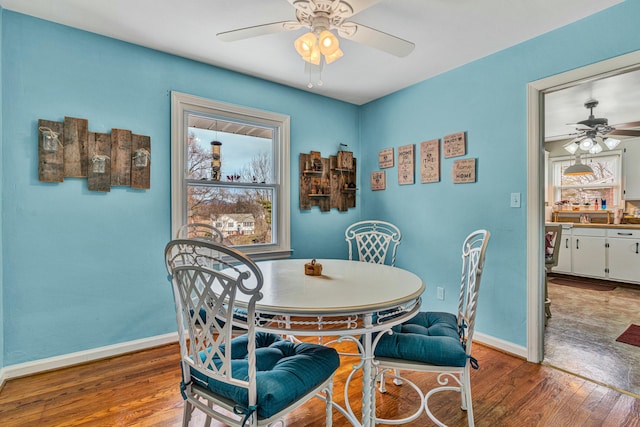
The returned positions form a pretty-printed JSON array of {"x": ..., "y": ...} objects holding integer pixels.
[{"x": 594, "y": 131}]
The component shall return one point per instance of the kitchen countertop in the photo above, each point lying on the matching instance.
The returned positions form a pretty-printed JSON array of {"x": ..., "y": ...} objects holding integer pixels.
[{"x": 591, "y": 225}]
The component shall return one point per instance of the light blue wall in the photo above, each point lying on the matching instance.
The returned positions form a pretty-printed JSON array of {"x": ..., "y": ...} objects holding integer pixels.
[
  {"x": 86, "y": 269},
  {"x": 487, "y": 99},
  {"x": 83, "y": 270}
]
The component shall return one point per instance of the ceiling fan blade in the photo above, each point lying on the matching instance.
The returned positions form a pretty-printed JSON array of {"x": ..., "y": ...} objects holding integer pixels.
[
  {"x": 626, "y": 125},
  {"x": 625, "y": 132},
  {"x": 258, "y": 30},
  {"x": 376, "y": 39},
  {"x": 565, "y": 136},
  {"x": 580, "y": 126}
]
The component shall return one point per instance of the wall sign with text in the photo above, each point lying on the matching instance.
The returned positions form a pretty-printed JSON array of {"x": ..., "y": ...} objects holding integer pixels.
[{"x": 464, "y": 171}]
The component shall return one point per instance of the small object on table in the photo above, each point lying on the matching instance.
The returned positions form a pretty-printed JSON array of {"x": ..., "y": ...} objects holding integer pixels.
[{"x": 313, "y": 268}]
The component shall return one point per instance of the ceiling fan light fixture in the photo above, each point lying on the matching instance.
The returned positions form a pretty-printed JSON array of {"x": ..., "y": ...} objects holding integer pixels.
[
  {"x": 586, "y": 144},
  {"x": 597, "y": 148},
  {"x": 328, "y": 43},
  {"x": 335, "y": 55},
  {"x": 611, "y": 143},
  {"x": 305, "y": 44},
  {"x": 571, "y": 147}
]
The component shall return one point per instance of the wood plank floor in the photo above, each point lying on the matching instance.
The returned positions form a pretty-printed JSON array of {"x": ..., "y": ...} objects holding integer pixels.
[
  {"x": 141, "y": 389},
  {"x": 581, "y": 334}
]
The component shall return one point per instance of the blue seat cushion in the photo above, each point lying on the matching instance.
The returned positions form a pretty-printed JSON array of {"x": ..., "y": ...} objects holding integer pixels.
[
  {"x": 429, "y": 337},
  {"x": 285, "y": 371}
]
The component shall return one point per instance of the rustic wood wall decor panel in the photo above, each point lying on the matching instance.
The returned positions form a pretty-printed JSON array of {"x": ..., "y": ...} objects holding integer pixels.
[
  {"x": 430, "y": 161},
  {"x": 99, "y": 173},
  {"x": 454, "y": 145},
  {"x": 327, "y": 182},
  {"x": 406, "y": 166},
  {"x": 75, "y": 147},
  {"x": 140, "y": 162},
  {"x": 69, "y": 149},
  {"x": 464, "y": 171},
  {"x": 385, "y": 158},
  {"x": 120, "y": 157},
  {"x": 50, "y": 151}
]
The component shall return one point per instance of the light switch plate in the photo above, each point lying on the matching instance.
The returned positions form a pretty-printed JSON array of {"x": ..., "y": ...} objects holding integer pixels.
[{"x": 515, "y": 200}]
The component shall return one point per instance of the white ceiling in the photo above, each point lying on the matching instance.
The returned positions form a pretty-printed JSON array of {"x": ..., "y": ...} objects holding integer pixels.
[{"x": 447, "y": 34}]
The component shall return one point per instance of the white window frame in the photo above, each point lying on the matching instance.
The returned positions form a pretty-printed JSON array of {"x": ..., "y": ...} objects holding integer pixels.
[{"x": 181, "y": 106}]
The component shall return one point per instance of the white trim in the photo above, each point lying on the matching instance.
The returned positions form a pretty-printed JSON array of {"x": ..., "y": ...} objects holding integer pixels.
[
  {"x": 497, "y": 343},
  {"x": 180, "y": 104},
  {"x": 65, "y": 360},
  {"x": 535, "y": 210}
]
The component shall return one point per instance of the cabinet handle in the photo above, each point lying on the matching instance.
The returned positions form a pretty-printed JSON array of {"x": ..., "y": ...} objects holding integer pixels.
[
  {"x": 637, "y": 244},
  {"x": 577, "y": 243},
  {"x": 566, "y": 243},
  {"x": 625, "y": 234}
]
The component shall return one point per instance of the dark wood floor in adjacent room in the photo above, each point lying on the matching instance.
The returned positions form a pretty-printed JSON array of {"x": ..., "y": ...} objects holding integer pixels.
[
  {"x": 141, "y": 389},
  {"x": 581, "y": 334}
]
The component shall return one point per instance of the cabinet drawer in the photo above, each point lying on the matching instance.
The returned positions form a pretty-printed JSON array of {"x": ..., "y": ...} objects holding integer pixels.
[
  {"x": 595, "y": 232},
  {"x": 628, "y": 233}
]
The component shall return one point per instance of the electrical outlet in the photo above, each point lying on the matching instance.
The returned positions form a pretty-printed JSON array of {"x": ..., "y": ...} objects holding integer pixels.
[
  {"x": 515, "y": 200},
  {"x": 440, "y": 293}
]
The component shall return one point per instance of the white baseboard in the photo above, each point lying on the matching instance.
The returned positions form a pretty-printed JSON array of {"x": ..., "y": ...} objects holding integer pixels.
[
  {"x": 65, "y": 360},
  {"x": 499, "y": 344}
]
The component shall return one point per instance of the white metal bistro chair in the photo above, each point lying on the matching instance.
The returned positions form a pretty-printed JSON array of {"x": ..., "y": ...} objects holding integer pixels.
[
  {"x": 200, "y": 230},
  {"x": 254, "y": 379},
  {"x": 373, "y": 241},
  {"x": 438, "y": 342}
]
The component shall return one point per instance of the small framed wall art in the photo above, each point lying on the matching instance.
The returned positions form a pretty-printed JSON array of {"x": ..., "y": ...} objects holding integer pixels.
[
  {"x": 406, "y": 166},
  {"x": 430, "y": 161},
  {"x": 454, "y": 145},
  {"x": 378, "y": 180},
  {"x": 385, "y": 158},
  {"x": 464, "y": 171}
]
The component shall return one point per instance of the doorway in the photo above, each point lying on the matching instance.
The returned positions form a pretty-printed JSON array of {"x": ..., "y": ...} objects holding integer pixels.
[{"x": 535, "y": 185}]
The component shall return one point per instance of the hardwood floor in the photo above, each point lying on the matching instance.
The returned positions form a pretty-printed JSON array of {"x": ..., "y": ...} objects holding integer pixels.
[
  {"x": 141, "y": 389},
  {"x": 581, "y": 334}
]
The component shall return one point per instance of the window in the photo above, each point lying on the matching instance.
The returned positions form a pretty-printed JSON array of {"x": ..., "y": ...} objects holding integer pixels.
[
  {"x": 230, "y": 168},
  {"x": 585, "y": 189}
]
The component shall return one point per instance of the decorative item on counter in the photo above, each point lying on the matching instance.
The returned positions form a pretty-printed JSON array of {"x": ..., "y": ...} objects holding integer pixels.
[
  {"x": 603, "y": 203},
  {"x": 596, "y": 204},
  {"x": 313, "y": 268},
  {"x": 617, "y": 216}
]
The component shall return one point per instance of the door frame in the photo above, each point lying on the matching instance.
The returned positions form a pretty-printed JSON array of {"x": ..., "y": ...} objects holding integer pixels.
[{"x": 535, "y": 184}]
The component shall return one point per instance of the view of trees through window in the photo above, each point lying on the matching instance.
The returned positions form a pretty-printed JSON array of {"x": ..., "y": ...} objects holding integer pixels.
[
  {"x": 586, "y": 189},
  {"x": 230, "y": 179}
]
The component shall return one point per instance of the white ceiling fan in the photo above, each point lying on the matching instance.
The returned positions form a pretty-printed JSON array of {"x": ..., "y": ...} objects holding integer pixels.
[
  {"x": 326, "y": 15},
  {"x": 593, "y": 132}
]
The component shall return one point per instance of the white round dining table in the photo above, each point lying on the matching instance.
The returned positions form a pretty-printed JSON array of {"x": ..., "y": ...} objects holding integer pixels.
[{"x": 349, "y": 298}]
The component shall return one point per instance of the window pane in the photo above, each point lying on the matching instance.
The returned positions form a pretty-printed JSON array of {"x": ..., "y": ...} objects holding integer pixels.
[
  {"x": 243, "y": 215},
  {"x": 214, "y": 154}
]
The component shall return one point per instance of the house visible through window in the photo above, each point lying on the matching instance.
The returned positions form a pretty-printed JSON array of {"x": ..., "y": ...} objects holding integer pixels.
[
  {"x": 230, "y": 169},
  {"x": 586, "y": 189}
]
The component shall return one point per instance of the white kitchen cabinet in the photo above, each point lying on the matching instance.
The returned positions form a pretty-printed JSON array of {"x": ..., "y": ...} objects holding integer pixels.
[
  {"x": 624, "y": 256},
  {"x": 630, "y": 169},
  {"x": 588, "y": 252},
  {"x": 564, "y": 257}
]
